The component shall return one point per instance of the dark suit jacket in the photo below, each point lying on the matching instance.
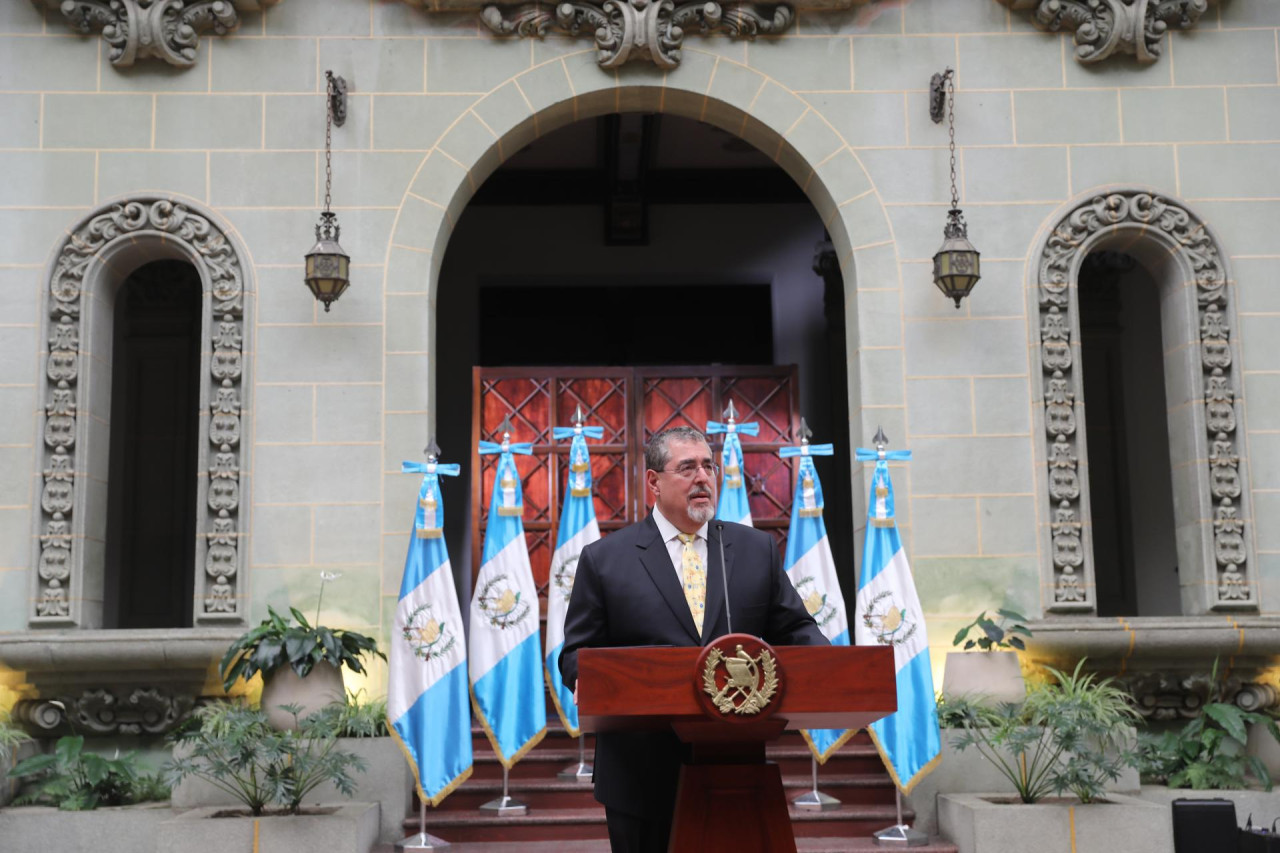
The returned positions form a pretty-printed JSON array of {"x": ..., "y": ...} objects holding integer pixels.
[{"x": 626, "y": 593}]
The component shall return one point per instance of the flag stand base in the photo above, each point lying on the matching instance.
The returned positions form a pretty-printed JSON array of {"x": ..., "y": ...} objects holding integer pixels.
[
  {"x": 580, "y": 772},
  {"x": 901, "y": 836},
  {"x": 505, "y": 806},
  {"x": 816, "y": 801},
  {"x": 420, "y": 843}
]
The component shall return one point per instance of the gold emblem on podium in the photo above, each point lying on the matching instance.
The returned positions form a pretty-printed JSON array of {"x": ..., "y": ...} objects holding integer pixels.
[{"x": 750, "y": 684}]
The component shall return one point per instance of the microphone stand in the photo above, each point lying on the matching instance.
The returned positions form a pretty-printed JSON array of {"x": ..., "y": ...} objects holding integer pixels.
[{"x": 724, "y": 578}]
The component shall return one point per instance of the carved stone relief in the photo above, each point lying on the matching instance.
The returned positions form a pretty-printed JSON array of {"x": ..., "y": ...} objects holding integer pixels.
[
  {"x": 164, "y": 29},
  {"x": 1162, "y": 696},
  {"x": 1106, "y": 27},
  {"x": 59, "y": 567},
  {"x": 1185, "y": 235},
  {"x": 106, "y": 711},
  {"x": 652, "y": 30}
]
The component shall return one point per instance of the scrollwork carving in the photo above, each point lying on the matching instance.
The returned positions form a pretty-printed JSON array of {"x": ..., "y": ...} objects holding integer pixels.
[
  {"x": 1187, "y": 237},
  {"x": 207, "y": 246},
  {"x": 136, "y": 29},
  {"x": 1105, "y": 28},
  {"x": 652, "y": 30},
  {"x": 107, "y": 711}
]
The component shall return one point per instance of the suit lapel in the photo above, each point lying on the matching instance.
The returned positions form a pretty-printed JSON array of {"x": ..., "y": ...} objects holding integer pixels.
[
  {"x": 657, "y": 562},
  {"x": 715, "y": 584}
]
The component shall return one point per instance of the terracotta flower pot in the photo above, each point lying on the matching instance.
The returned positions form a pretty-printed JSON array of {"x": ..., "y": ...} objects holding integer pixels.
[
  {"x": 992, "y": 677},
  {"x": 322, "y": 686}
]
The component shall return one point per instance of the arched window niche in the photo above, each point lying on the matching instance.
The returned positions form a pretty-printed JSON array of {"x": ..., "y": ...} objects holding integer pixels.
[
  {"x": 1178, "y": 253},
  {"x": 85, "y": 277}
]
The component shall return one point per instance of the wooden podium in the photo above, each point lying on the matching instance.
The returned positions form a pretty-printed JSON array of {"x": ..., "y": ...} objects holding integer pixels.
[{"x": 729, "y": 797}]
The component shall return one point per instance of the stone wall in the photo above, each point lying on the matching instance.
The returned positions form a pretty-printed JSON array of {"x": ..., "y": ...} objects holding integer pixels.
[{"x": 437, "y": 102}]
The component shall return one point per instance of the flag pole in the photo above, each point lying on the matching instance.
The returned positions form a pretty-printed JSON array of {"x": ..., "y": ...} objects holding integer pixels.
[
  {"x": 900, "y": 835},
  {"x": 506, "y": 805},
  {"x": 423, "y": 841},
  {"x": 815, "y": 800},
  {"x": 580, "y": 772}
]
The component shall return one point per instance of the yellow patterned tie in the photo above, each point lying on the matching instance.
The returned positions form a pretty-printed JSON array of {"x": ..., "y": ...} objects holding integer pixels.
[{"x": 695, "y": 580}]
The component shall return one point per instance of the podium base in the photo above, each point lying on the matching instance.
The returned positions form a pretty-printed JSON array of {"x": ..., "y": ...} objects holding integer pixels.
[
  {"x": 580, "y": 772},
  {"x": 420, "y": 843},
  {"x": 901, "y": 836},
  {"x": 505, "y": 806},
  {"x": 816, "y": 801}
]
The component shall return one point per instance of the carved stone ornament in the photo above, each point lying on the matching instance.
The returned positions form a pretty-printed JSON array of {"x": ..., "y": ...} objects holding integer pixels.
[
  {"x": 652, "y": 30},
  {"x": 208, "y": 247},
  {"x": 164, "y": 29},
  {"x": 1162, "y": 696},
  {"x": 106, "y": 711},
  {"x": 1106, "y": 27},
  {"x": 1185, "y": 235}
]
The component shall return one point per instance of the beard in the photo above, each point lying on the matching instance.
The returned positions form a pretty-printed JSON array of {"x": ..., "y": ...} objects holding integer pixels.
[{"x": 701, "y": 515}]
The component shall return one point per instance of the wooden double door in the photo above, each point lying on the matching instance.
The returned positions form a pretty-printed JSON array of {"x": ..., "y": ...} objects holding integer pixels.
[{"x": 631, "y": 404}]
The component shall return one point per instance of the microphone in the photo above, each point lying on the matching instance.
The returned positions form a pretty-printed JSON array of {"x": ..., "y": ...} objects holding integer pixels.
[{"x": 724, "y": 578}]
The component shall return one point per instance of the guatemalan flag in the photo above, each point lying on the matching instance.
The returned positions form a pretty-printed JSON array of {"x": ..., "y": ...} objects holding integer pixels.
[
  {"x": 506, "y": 657},
  {"x": 427, "y": 709},
  {"x": 888, "y": 613},
  {"x": 812, "y": 570},
  {"x": 734, "y": 505},
  {"x": 578, "y": 528}
]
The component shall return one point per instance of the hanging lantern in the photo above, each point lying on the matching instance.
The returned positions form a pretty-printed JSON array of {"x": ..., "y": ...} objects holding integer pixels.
[
  {"x": 328, "y": 267},
  {"x": 956, "y": 265}
]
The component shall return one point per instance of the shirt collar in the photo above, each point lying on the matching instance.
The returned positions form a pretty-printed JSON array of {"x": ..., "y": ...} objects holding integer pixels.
[{"x": 669, "y": 531}]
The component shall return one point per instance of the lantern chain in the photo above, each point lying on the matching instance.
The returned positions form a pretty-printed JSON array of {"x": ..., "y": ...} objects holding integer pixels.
[
  {"x": 951, "y": 130},
  {"x": 328, "y": 145}
]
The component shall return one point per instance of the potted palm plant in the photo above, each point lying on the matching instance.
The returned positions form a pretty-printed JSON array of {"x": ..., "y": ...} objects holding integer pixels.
[
  {"x": 301, "y": 663},
  {"x": 992, "y": 672}
]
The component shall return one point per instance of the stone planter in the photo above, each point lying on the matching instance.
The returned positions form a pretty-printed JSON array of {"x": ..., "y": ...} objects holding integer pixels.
[
  {"x": 1263, "y": 805},
  {"x": 322, "y": 686},
  {"x": 987, "y": 823},
  {"x": 386, "y": 781},
  {"x": 988, "y": 676},
  {"x": 970, "y": 772},
  {"x": 348, "y": 828},
  {"x": 114, "y": 829}
]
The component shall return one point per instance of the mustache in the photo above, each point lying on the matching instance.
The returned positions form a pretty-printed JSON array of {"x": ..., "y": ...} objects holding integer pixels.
[{"x": 700, "y": 493}]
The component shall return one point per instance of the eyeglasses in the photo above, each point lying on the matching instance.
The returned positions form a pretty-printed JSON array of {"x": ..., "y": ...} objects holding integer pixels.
[{"x": 690, "y": 468}]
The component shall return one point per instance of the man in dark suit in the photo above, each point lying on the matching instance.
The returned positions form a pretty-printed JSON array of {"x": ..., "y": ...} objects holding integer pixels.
[{"x": 658, "y": 582}]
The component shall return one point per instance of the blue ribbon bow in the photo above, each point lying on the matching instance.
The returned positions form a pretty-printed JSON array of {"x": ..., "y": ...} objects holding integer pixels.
[
  {"x": 808, "y": 450},
  {"x": 453, "y": 469},
  {"x": 715, "y": 428},
  {"x": 524, "y": 448},
  {"x": 561, "y": 433}
]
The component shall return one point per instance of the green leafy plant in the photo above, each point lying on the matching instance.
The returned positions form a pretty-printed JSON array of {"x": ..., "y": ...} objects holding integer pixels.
[
  {"x": 955, "y": 711},
  {"x": 359, "y": 718},
  {"x": 995, "y": 634},
  {"x": 276, "y": 643},
  {"x": 75, "y": 780},
  {"x": 10, "y": 737},
  {"x": 1067, "y": 736},
  {"x": 1208, "y": 753},
  {"x": 236, "y": 750}
]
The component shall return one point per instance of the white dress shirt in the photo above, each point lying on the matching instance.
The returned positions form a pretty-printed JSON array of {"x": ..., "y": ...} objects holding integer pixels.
[{"x": 675, "y": 548}]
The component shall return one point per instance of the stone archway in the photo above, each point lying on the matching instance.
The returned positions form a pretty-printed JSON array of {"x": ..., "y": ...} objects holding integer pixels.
[
  {"x": 97, "y": 255},
  {"x": 1211, "y": 500},
  {"x": 572, "y": 87}
]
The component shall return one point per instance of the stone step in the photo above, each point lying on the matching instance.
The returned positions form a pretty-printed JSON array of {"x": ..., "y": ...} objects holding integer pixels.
[{"x": 803, "y": 845}]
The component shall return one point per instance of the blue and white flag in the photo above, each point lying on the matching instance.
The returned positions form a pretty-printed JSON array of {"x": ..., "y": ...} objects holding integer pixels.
[
  {"x": 578, "y": 528},
  {"x": 507, "y": 689},
  {"x": 887, "y": 613},
  {"x": 427, "y": 709},
  {"x": 812, "y": 570},
  {"x": 734, "y": 503}
]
